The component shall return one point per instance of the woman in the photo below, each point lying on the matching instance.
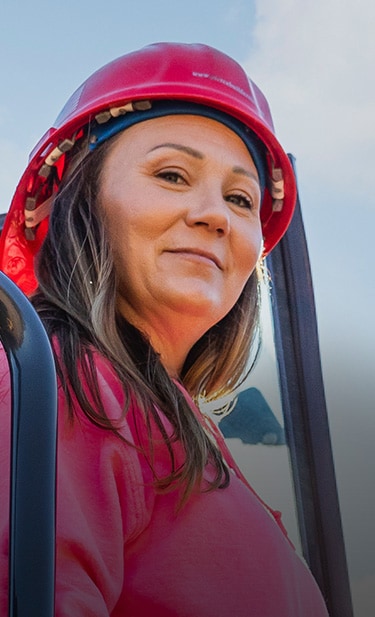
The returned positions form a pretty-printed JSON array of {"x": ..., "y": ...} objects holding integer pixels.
[{"x": 145, "y": 212}]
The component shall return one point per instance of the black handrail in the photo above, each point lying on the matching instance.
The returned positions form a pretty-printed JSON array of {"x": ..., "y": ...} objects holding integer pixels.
[
  {"x": 33, "y": 455},
  {"x": 305, "y": 415}
]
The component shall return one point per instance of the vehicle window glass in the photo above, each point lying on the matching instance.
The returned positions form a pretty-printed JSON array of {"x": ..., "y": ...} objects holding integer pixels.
[{"x": 254, "y": 429}]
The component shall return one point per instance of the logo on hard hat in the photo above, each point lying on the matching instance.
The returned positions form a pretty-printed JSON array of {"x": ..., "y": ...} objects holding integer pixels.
[{"x": 225, "y": 82}]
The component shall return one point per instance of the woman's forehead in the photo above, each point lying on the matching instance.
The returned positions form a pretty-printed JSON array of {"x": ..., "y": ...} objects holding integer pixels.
[{"x": 191, "y": 134}]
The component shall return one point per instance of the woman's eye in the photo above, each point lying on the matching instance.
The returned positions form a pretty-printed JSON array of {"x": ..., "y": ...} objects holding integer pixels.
[
  {"x": 239, "y": 200},
  {"x": 171, "y": 176}
]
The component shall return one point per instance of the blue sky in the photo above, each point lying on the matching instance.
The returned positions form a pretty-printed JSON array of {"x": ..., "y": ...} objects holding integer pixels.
[{"x": 314, "y": 61}]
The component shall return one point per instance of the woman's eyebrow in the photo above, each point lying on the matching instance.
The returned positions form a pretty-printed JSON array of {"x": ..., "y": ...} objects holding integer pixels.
[
  {"x": 199, "y": 155},
  {"x": 191, "y": 151},
  {"x": 245, "y": 172}
]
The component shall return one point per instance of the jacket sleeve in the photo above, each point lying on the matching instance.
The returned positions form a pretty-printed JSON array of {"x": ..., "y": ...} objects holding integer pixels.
[{"x": 100, "y": 507}]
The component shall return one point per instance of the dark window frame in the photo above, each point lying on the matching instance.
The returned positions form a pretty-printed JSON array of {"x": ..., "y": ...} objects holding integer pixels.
[{"x": 305, "y": 416}]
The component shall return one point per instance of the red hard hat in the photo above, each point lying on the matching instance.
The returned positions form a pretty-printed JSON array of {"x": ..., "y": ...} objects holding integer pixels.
[{"x": 173, "y": 71}]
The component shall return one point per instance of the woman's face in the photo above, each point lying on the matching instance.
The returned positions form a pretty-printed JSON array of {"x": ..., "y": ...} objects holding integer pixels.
[{"x": 181, "y": 201}]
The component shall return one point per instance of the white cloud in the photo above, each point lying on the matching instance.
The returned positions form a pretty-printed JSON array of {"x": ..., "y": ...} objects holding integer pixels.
[{"x": 314, "y": 60}]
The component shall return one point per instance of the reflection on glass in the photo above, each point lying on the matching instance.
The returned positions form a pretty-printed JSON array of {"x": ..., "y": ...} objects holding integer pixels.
[{"x": 252, "y": 420}]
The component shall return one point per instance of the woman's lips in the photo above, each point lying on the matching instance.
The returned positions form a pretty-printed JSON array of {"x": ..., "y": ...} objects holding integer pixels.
[{"x": 199, "y": 253}]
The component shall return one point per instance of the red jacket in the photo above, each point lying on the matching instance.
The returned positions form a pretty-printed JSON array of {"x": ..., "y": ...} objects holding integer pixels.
[{"x": 124, "y": 551}]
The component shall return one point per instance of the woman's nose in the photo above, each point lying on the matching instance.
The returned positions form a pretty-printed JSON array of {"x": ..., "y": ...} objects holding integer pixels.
[{"x": 208, "y": 209}]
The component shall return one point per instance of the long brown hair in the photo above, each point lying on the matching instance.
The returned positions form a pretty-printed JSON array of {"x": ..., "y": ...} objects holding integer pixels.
[{"x": 76, "y": 300}]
